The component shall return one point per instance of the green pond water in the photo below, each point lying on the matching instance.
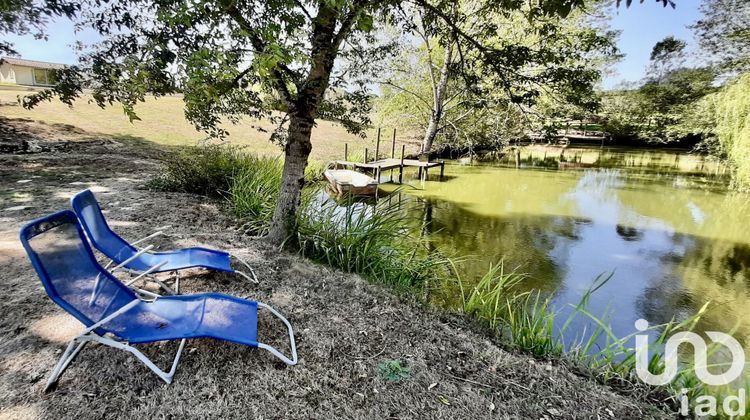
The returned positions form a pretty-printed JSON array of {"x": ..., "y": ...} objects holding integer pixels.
[{"x": 663, "y": 223}]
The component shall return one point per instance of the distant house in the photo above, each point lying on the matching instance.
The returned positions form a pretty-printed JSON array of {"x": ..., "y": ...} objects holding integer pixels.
[{"x": 17, "y": 71}]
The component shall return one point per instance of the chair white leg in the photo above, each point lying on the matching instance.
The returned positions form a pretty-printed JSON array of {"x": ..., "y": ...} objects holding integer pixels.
[
  {"x": 246, "y": 276},
  {"x": 254, "y": 278},
  {"x": 165, "y": 376},
  {"x": 72, "y": 351},
  {"x": 293, "y": 345},
  {"x": 177, "y": 282}
]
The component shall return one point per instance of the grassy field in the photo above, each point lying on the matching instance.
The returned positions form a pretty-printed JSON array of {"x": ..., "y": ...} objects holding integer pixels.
[{"x": 163, "y": 122}]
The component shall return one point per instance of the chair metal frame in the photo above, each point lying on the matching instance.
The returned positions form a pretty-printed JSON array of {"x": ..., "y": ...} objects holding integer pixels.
[{"x": 89, "y": 334}]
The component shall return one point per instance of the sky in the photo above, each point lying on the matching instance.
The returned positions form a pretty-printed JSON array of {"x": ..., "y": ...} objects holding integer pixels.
[{"x": 642, "y": 25}]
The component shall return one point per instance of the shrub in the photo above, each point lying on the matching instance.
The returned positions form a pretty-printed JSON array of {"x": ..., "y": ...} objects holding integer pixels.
[{"x": 206, "y": 170}]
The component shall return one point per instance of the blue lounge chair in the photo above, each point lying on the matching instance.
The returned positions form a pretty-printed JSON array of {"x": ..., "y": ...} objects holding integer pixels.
[
  {"x": 121, "y": 317},
  {"x": 142, "y": 261}
]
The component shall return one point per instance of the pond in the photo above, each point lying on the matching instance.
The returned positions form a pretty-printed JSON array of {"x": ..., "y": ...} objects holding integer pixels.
[{"x": 663, "y": 224}]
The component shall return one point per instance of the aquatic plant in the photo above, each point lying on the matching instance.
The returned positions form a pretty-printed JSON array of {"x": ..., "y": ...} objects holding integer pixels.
[
  {"x": 376, "y": 242},
  {"x": 526, "y": 321},
  {"x": 253, "y": 193},
  {"x": 371, "y": 240}
]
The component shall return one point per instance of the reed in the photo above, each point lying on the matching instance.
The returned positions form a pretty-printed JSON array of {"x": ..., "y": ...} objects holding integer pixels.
[
  {"x": 254, "y": 191},
  {"x": 371, "y": 240},
  {"x": 527, "y": 321},
  {"x": 376, "y": 241}
]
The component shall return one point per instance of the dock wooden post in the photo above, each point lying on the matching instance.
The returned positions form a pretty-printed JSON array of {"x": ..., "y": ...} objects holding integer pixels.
[
  {"x": 346, "y": 151},
  {"x": 365, "y": 155},
  {"x": 442, "y": 169},
  {"x": 393, "y": 150},
  {"x": 393, "y": 145},
  {"x": 401, "y": 167},
  {"x": 377, "y": 145}
]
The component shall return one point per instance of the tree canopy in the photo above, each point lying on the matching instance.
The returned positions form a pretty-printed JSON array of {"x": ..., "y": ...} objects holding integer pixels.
[
  {"x": 424, "y": 90},
  {"x": 724, "y": 34}
]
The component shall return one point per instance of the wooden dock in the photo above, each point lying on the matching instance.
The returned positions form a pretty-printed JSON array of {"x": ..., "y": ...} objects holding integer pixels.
[{"x": 378, "y": 166}]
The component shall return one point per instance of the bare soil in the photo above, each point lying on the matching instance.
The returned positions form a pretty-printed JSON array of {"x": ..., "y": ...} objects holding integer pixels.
[{"x": 345, "y": 326}]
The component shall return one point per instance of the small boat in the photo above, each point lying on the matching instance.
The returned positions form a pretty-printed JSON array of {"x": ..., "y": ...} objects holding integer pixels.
[{"x": 346, "y": 181}]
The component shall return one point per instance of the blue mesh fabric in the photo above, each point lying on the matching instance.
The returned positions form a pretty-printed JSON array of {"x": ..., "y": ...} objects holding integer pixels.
[
  {"x": 104, "y": 239},
  {"x": 70, "y": 274},
  {"x": 211, "y": 315},
  {"x": 69, "y": 271},
  {"x": 113, "y": 246}
]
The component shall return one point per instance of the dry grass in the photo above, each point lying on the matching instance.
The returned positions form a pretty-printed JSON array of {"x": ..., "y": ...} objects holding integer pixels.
[{"x": 163, "y": 122}]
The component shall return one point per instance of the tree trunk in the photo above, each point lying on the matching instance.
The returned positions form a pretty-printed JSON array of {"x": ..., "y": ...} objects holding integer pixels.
[
  {"x": 325, "y": 43},
  {"x": 296, "y": 152},
  {"x": 431, "y": 132},
  {"x": 438, "y": 96}
]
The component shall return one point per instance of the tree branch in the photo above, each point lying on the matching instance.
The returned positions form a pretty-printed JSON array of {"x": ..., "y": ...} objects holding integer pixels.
[
  {"x": 259, "y": 45},
  {"x": 403, "y": 89}
]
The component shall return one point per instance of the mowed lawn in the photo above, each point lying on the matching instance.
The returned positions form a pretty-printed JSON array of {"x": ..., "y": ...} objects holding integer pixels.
[{"x": 162, "y": 121}]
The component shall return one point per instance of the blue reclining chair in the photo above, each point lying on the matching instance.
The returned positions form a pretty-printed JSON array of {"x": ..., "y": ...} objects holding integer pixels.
[
  {"x": 141, "y": 261},
  {"x": 118, "y": 316}
]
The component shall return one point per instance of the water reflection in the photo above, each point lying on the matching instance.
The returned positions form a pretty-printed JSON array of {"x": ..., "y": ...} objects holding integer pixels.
[{"x": 662, "y": 223}]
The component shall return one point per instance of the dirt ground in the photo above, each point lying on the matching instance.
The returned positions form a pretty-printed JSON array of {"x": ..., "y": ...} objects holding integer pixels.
[{"x": 345, "y": 327}]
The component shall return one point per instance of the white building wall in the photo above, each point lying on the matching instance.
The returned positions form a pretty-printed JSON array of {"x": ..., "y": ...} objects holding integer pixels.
[
  {"x": 7, "y": 75},
  {"x": 24, "y": 75}
]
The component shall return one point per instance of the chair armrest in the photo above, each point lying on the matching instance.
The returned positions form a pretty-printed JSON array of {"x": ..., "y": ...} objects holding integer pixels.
[
  {"x": 153, "y": 235},
  {"x": 134, "y": 256}
]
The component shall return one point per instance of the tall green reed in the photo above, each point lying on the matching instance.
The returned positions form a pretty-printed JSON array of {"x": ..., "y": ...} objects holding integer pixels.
[{"x": 371, "y": 240}]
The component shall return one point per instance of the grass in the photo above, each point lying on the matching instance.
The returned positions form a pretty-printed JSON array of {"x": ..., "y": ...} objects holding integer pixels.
[
  {"x": 253, "y": 194},
  {"x": 369, "y": 240},
  {"x": 163, "y": 122},
  {"x": 527, "y": 320},
  {"x": 205, "y": 170}
]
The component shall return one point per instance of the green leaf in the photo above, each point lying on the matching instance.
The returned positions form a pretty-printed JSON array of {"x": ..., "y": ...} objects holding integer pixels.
[{"x": 365, "y": 23}]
